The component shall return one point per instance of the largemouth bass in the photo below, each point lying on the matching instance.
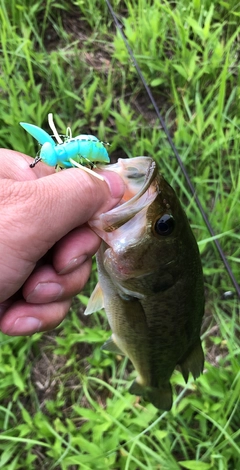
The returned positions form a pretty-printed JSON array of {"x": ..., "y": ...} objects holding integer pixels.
[{"x": 150, "y": 282}]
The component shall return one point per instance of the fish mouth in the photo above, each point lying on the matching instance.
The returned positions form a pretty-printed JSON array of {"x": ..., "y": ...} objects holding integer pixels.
[{"x": 138, "y": 175}]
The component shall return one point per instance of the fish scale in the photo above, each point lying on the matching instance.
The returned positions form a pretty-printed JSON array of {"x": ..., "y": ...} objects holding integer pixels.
[{"x": 150, "y": 282}]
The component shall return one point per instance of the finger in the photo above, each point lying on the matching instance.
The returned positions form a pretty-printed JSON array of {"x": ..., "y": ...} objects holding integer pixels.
[
  {"x": 23, "y": 319},
  {"x": 47, "y": 209},
  {"x": 74, "y": 196},
  {"x": 4, "y": 306},
  {"x": 45, "y": 285},
  {"x": 16, "y": 166},
  {"x": 36, "y": 214},
  {"x": 75, "y": 248}
]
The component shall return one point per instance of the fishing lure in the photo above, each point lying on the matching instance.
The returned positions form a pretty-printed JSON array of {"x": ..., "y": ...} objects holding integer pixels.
[{"x": 81, "y": 151}]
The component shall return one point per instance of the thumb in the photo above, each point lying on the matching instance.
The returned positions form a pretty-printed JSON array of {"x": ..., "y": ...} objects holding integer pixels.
[
  {"x": 41, "y": 211},
  {"x": 36, "y": 213},
  {"x": 73, "y": 197}
]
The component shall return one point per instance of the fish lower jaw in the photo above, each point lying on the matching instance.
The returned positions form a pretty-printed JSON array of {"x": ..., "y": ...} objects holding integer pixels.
[
  {"x": 116, "y": 268},
  {"x": 121, "y": 267}
]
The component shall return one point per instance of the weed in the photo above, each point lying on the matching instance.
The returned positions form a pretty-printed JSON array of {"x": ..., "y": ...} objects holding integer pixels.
[{"x": 64, "y": 403}]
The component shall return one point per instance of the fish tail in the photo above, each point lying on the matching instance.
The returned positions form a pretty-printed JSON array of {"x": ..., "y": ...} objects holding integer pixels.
[
  {"x": 193, "y": 362},
  {"x": 160, "y": 397}
]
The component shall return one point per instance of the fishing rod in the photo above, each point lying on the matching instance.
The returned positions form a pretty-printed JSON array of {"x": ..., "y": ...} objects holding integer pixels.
[{"x": 179, "y": 160}]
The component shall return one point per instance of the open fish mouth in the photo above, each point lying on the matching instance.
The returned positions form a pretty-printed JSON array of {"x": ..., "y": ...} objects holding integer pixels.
[{"x": 138, "y": 175}]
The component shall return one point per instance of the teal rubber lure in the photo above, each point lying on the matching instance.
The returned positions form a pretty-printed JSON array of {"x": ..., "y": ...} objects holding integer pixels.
[{"x": 84, "y": 149}]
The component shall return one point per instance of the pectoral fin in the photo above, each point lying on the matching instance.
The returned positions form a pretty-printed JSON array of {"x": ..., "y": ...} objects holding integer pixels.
[
  {"x": 96, "y": 301},
  {"x": 193, "y": 362},
  {"x": 111, "y": 346}
]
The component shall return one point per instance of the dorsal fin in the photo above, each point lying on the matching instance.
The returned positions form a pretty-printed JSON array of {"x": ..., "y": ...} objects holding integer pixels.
[{"x": 193, "y": 362}]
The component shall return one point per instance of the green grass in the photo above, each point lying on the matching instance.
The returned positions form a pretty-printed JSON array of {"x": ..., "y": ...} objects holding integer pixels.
[{"x": 64, "y": 403}]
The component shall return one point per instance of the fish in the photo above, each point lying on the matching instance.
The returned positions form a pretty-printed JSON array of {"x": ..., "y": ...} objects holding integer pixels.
[{"x": 150, "y": 282}]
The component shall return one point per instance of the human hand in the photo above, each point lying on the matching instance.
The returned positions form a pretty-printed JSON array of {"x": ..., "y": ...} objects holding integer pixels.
[{"x": 45, "y": 243}]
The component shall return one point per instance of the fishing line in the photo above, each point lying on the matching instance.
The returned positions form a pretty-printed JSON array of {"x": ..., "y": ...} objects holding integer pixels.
[{"x": 179, "y": 160}]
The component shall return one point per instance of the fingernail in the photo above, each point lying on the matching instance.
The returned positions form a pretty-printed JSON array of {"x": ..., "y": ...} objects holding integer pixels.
[
  {"x": 115, "y": 183},
  {"x": 45, "y": 291},
  {"x": 73, "y": 264},
  {"x": 24, "y": 326}
]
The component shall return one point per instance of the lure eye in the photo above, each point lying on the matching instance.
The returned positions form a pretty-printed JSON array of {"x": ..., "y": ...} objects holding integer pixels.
[{"x": 165, "y": 225}]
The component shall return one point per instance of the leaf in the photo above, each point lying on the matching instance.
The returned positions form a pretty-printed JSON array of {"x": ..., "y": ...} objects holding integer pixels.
[
  {"x": 87, "y": 413},
  {"x": 195, "y": 465},
  {"x": 6, "y": 455},
  {"x": 157, "y": 81},
  {"x": 87, "y": 446},
  {"x": 18, "y": 380},
  {"x": 181, "y": 70}
]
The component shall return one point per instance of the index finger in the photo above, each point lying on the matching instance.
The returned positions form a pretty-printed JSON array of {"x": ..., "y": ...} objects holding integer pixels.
[{"x": 16, "y": 166}]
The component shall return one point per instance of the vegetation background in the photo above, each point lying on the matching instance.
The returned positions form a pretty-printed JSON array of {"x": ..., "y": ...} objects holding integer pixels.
[{"x": 64, "y": 403}]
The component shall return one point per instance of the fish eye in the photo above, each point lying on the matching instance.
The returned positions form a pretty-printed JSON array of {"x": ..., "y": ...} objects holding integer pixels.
[{"x": 165, "y": 225}]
